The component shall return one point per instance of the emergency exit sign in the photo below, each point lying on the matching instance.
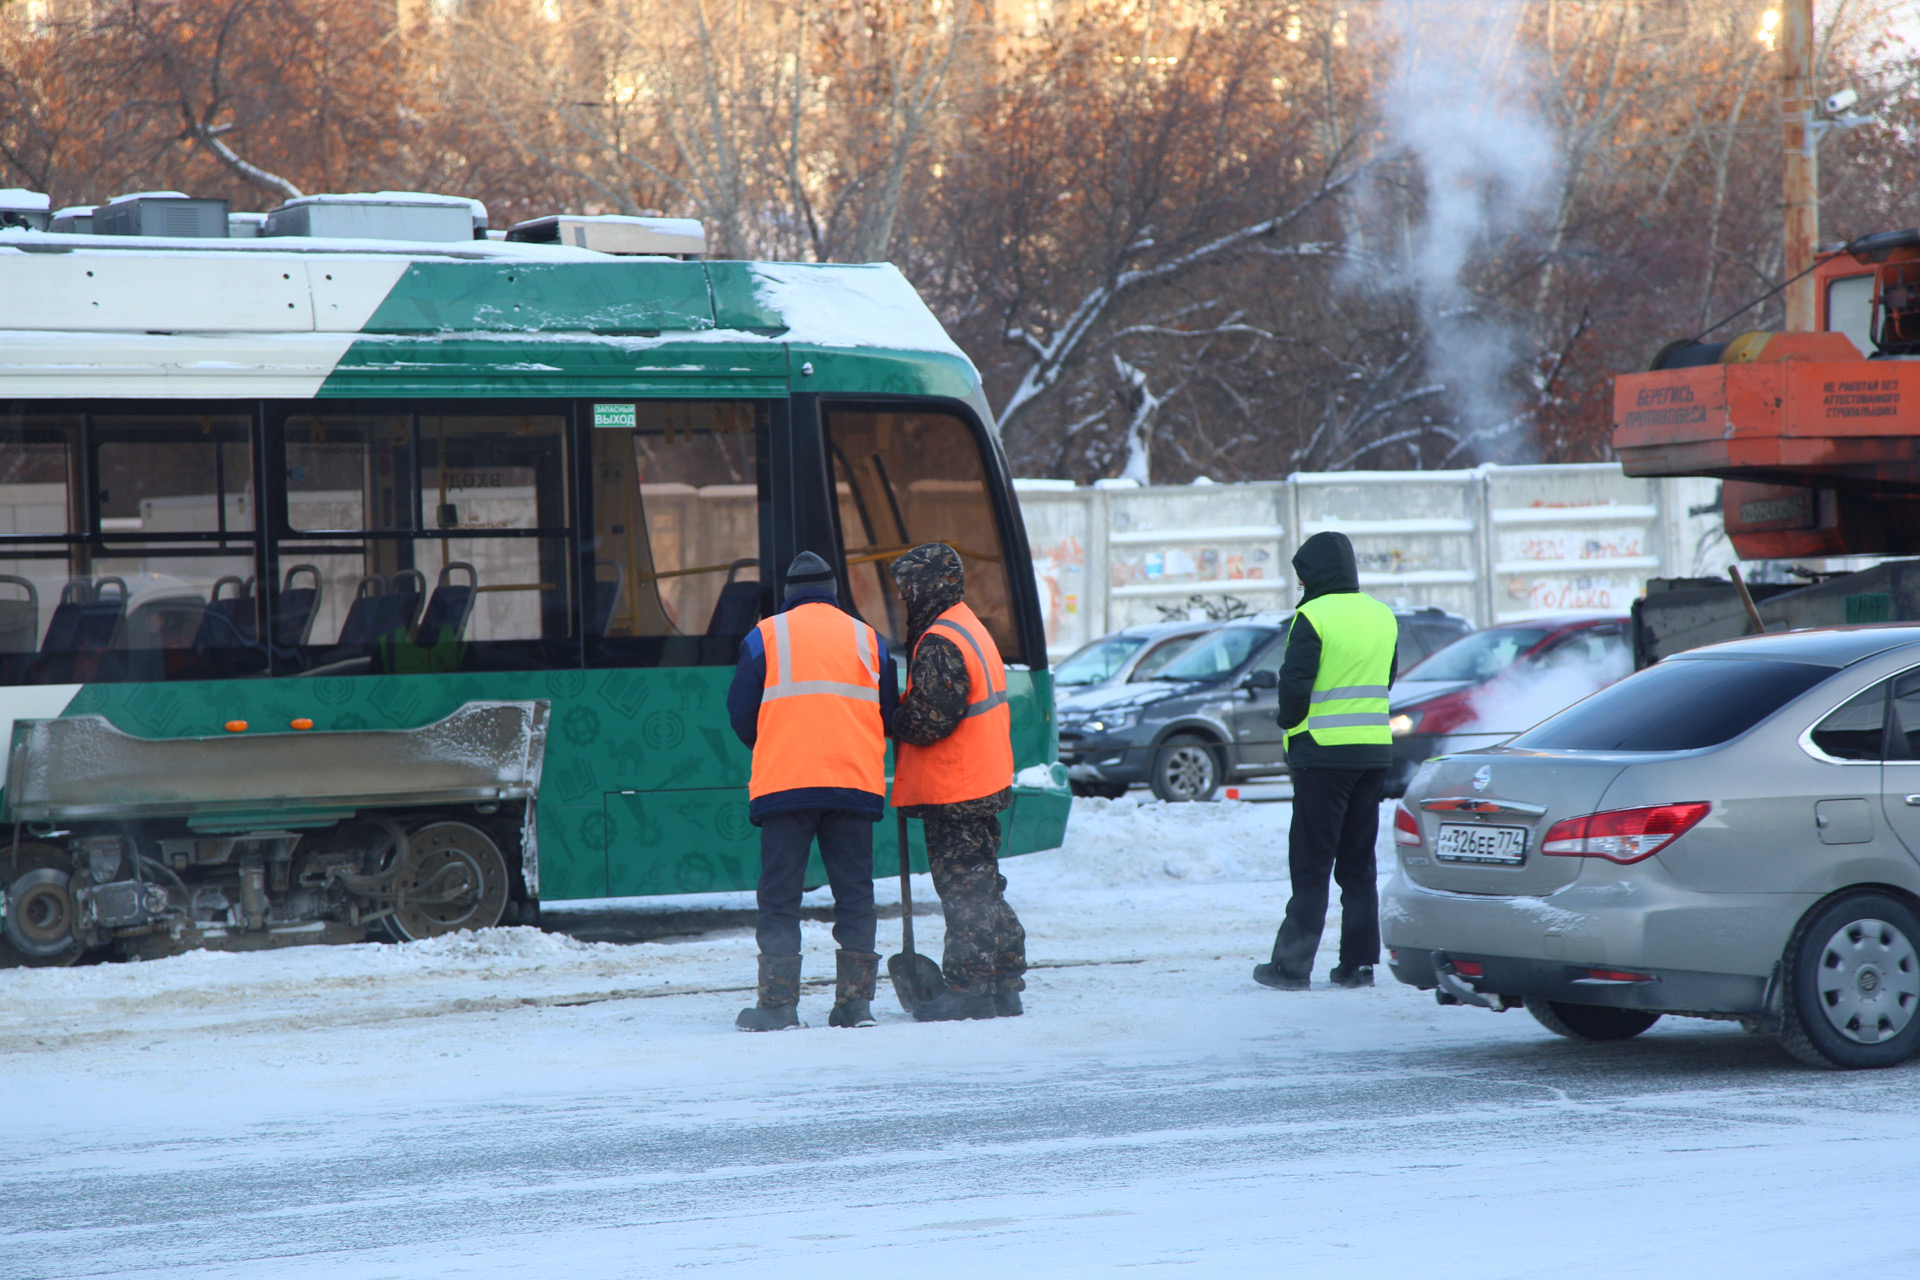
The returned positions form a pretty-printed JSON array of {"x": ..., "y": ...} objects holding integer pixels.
[{"x": 613, "y": 416}]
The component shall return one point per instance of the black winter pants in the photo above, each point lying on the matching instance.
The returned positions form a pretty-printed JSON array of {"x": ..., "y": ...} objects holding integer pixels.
[
  {"x": 846, "y": 846},
  {"x": 1336, "y": 818}
]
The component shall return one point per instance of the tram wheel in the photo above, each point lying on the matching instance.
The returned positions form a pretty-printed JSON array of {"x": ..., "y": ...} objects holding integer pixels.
[
  {"x": 455, "y": 877},
  {"x": 41, "y": 914}
]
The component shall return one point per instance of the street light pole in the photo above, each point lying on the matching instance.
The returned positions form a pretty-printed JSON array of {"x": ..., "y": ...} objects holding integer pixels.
[{"x": 1802, "y": 176}]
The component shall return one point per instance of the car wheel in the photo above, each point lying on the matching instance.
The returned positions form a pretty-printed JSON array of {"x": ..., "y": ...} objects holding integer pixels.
[
  {"x": 1590, "y": 1021},
  {"x": 1851, "y": 984},
  {"x": 1185, "y": 768}
]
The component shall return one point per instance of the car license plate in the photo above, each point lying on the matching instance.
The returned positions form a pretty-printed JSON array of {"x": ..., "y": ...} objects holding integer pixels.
[{"x": 1498, "y": 846}]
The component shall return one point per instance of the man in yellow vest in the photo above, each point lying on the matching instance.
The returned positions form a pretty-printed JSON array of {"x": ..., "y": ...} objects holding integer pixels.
[
  {"x": 953, "y": 769},
  {"x": 1333, "y": 707},
  {"x": 811, "y": 696}
]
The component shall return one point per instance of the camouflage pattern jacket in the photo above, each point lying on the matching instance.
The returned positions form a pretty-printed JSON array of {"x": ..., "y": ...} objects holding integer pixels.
[{"x": 931, "y": 581}]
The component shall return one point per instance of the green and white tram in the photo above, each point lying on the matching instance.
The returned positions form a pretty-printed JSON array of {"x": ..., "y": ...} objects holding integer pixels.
[{"x": 351, "y": 586}]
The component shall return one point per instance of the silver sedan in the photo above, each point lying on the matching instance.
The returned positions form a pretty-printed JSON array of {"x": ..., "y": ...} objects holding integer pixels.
[{"x": 1733, "y": 833}]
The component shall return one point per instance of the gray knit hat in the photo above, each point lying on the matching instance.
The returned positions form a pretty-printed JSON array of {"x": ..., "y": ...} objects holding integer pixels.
[{"x": 809, "y": 572}]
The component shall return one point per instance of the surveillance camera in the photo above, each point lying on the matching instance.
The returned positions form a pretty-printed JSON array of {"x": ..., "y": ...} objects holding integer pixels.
[{"x": 1838, "y": 102}]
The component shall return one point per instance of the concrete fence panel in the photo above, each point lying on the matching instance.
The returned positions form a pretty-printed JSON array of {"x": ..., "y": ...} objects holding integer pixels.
[
  {"x": 1570, "y": 539},
  {"x": 1416, "y": 534},
  {"x": 1216, "y": 549},
  {"x": 1495, "y": 544}
]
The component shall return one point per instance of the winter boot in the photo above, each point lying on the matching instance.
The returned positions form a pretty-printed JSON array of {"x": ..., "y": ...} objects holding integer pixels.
[
  {"x": 1269, "y": 975},
  {"x": 1359, "y": 975},
  {"x": 955, "y": 1004},
  {"x": 1006, "y": 998},
  {"x": 855, "y": 972},
  {"x": 779, "y": 1005}
]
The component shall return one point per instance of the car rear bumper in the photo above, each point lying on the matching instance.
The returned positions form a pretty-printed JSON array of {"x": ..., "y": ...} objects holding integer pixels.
[
  {"x": 1705, "y": 952},
  {"x": 1516, "y": 978}
]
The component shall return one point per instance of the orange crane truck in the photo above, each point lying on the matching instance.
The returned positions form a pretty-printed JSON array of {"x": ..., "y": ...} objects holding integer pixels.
[{"x": 1815, "y": 438}]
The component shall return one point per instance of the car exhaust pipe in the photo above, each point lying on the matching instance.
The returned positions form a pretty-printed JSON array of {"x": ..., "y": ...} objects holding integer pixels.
[{"x": 1454, "y": 989}]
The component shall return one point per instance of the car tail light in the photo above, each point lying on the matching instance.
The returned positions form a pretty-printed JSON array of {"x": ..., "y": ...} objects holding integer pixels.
[
  {"x": 1406, "y": 828},
  {"x": 1624, "y": 835},
  {"x": 1619, "y": 975},
  {"x": 1469, "y": 969}
]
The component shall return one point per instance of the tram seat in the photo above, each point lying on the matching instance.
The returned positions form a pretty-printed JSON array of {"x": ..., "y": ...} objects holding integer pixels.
[
  {"x": 82, "y": 632},
  {"x": 451, "y": 605},
  {"x": 737, "y": 610},
  {"x": 19, "y": 629},
  {"x": 382, "y": 607},
  {"x": 63, "y": 628},
  {"x": 406, "y": 592},
  {"x": 226, "y": 638},
  {"x": 296, "y": 608},
  {"x": 358, "y": 628},
  {"x": 229, "y": 623}
]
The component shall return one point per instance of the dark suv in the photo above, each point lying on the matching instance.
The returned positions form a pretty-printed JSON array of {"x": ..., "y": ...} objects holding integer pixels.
[{"x": 1209, "y": 715}]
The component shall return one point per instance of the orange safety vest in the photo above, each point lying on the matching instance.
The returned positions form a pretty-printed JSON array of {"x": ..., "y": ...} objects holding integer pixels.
[
  {"x": 976, "y": 759},
  {"x": 820, "y": 708}
]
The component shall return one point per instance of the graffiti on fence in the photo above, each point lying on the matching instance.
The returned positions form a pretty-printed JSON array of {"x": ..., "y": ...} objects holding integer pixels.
[
  {"x": 1584, "y": 594},
  {"x": 1577, "y": 546}
]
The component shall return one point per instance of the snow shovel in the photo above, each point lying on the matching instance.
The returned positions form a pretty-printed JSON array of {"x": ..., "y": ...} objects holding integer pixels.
[{"x": 916, "y": 979}]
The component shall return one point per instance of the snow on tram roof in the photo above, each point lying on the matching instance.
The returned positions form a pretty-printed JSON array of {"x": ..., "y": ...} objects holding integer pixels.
[{"x": 127, "y": 285}]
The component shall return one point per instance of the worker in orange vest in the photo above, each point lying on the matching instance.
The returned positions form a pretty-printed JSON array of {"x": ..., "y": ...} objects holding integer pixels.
[
  {"x": 953, "y": 769},
  {"x": 811, "y": 696}
]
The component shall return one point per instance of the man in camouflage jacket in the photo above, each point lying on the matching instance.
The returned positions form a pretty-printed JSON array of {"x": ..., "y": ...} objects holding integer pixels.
[{"x": 986, "y": 951}]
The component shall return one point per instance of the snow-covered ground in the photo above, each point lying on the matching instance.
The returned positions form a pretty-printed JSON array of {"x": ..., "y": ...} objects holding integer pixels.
[{"x": 523, "y": 1104}]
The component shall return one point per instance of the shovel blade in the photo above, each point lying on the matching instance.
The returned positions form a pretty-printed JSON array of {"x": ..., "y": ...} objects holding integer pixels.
[{"x": 916, "y": 980}]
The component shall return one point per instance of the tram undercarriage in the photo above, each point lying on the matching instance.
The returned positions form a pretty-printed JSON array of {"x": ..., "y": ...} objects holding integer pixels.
[{"x": 139, "y": 848}]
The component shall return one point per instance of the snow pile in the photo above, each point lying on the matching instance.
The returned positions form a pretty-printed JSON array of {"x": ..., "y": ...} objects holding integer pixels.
[
  {"x": 1138, "y": 841},
  {"x": 521, "y": 943},
  {"x": 1042, "y": 777},
  {"x": 196, "y": 977}
]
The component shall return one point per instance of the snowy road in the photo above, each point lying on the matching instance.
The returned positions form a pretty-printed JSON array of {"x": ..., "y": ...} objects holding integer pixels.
[{"x": 524, "y": 1105}]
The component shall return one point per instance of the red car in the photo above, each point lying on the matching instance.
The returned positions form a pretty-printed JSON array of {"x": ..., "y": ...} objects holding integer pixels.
[{"x": 1485, "y": 687}]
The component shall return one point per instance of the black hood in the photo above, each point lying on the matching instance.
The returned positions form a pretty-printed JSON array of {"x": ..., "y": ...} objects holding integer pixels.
[{"x": 1325, "y": 566}]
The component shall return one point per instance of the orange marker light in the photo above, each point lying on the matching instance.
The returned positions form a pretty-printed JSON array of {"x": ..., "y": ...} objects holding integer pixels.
[
  {"x": 303, "y": 723},
  {"x": 236, "y": 726}
]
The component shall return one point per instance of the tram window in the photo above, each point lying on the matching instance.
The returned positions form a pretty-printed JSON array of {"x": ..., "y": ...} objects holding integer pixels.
[
  {"x": 436, "y": 541},
  {"x": 349, "y": 470},
  {"x": 481, "y": 604},
  {"x": 677, "y": 510},
  {"x": 904, "y": 477},
  {"x": 37, "y": 455},
  {"x": 132, "y": 604},
  {"x": 73, "y": 613},
  {"x": 173, "y": 473}
]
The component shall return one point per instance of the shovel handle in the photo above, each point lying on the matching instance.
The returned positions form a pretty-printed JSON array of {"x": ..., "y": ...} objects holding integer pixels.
[{"x": 906, "y": 889}]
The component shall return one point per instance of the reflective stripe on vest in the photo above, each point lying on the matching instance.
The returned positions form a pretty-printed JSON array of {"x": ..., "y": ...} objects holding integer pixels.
[
  {"x": 976, "y": 759},
  {"x": 998, "y": 697},
  {"x": 1348, "y": 706},
  {"x": 819, "y": 723},
  {"x": 787, "y": 687}
]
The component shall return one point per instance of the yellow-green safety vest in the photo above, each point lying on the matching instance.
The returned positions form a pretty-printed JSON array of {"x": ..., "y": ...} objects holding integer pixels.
[{"x": 1357, "y": 638}]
